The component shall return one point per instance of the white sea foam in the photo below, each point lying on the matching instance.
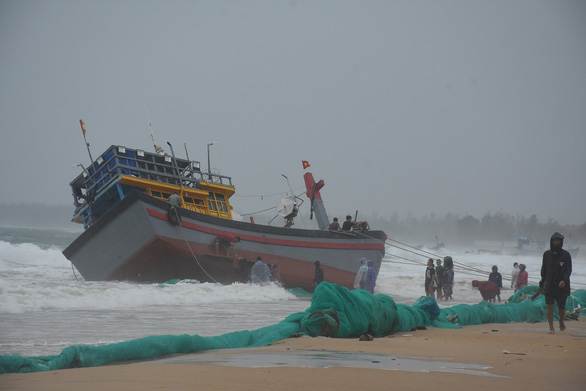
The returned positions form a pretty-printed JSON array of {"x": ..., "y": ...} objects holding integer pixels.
[
  {"x": 35, "y": 279},
  {"x": 32, "y": 278},
  {"x": 27, "y": 255}
]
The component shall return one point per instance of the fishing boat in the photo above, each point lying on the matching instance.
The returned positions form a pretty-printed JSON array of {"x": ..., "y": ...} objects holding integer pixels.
[{"x": 134, "y": 233}]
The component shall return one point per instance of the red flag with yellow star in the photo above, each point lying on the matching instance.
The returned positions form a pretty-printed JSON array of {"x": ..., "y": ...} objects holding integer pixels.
[{"x": 305, "y": 164}]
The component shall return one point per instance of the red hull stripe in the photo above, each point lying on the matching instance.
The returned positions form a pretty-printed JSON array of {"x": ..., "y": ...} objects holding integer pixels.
[{"x": 281, "y": 242}]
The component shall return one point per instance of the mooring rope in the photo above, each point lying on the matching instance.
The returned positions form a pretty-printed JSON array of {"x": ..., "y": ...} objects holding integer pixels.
[
  {"x": 188, "y": 245},
  {"x": 74, "y": 273},
  {"x": 463, "y": 268}
]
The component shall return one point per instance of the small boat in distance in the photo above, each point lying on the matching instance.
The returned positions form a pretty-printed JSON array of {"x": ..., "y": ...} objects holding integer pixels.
[
  {"x": 133, "y": 233},
  {"x": 527, "y": 245}
]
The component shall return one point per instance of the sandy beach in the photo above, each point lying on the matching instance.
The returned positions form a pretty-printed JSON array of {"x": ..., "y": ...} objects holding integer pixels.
[{"x": 503, "y": 356}]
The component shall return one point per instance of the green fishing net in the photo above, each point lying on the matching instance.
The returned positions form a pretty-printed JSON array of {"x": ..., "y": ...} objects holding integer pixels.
[{"x": 335, "y": 311}]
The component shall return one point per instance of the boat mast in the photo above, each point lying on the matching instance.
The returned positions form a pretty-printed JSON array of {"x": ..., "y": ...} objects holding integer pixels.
[
  {"x": 86, "y": 143},
  {"x": 317, "y": 205},
  {"x": 176, "y": 166}
]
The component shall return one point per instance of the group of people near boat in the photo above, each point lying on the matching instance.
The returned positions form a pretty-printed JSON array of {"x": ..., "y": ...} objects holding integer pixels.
[
  {"x": 556, "y": 268},
  {"x": 366, "y": 276},
  {"x": 261, "y": 273},
  {"x": 439, "y": 279}
]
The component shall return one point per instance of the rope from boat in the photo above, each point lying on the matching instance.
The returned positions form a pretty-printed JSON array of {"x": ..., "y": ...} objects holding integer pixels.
[
  {"x": 265, "y": 210},
  {"x": 266, "y": 196},
  {"x": 74, "y": 273},
  {"x": 260, "y": 211},
  {"x": 461, "y": 265},
  {"x": 471, "y": 270},
  {"x": 189, "y": 246},
  {"x": 463, "y": 268}
]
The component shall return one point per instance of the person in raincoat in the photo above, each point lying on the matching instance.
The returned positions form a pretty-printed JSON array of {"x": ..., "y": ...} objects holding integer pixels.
[
  {"x": 497, "y": 279},
  {"x": 360, "y": 280},
  {"x": 487, "y": 289},
  {"x": 556, "y": 268},
  {"x": 522, "y": 277},
  {"x": 370, "y": 277},
  {"x": 260, "y": 273},
  {"x": 448, "y": 282}
]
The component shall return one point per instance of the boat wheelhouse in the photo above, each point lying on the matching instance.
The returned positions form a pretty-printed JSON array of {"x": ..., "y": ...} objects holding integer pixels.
[{"x": 119, "y": 171}]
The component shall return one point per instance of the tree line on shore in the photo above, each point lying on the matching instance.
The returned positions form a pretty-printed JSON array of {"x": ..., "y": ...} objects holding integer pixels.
[{"x": 465, "y": 229}]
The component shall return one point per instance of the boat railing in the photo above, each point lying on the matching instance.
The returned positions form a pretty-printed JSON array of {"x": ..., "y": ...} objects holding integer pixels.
[{"x": 118, "y": 160}]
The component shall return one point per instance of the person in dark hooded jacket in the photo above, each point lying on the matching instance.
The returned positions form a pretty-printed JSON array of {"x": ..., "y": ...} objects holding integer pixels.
[
  {"x": 318, "y": 275},
  {"x": 555, "y": 279}
]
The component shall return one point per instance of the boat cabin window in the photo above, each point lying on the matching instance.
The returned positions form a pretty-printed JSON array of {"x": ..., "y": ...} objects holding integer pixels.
[
  {"x": 221, "y": 202},
  {"x": 156, "y": 194},
  {"x": 212, "y": 202}
]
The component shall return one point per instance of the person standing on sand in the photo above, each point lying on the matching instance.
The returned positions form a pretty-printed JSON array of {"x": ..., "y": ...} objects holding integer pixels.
[
  {"x": 439, "y": 274},
  {"x": 522, "y": 277},
  {"x": 448, "y": 283},
  {"x": 556, "y": 268},
  {"x": 514, "y": 274},
  {"x": 429, "y": 278},
  {"x": 497, "y": 279}
]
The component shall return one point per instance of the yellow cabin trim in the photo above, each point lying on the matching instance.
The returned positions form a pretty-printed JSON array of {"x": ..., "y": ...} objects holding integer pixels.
[
  {"x": 211, "y": 199},
  {"x": 227, "y": 190}
]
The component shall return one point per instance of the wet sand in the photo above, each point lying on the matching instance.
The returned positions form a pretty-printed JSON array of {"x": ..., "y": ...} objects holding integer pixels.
[{"x": 475, "y": 356}]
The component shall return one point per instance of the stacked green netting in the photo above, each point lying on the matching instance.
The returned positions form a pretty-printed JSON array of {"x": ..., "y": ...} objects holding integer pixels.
[
  {"x": 149, "y": 347},
  {"x": 334, "y": 311}
]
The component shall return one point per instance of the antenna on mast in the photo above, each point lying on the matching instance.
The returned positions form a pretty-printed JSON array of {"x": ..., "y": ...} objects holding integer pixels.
[
  {"x": 158, "y": 148},
  {"x": 186, "y": 154}
]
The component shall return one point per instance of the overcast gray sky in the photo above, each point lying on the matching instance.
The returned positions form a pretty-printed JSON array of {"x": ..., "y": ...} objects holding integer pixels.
[{"x": 400, "y": 106}]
